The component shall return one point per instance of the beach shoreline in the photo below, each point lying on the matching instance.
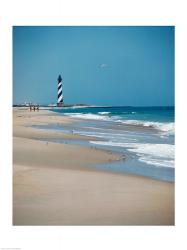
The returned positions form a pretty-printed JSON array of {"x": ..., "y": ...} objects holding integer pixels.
[{"x": 55, "y": 184}]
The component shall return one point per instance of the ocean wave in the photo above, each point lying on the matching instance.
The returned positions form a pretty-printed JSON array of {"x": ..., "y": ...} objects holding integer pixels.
[
  {"x": 104, "y": 113},
  {"x": 168, "y": 127},
  {"x": 154, "y": 154},
  {"x": 89, "y": 116},
  {"x": 157, "y": 162},
  {"x": 72, "y": 114},
  {"x": 157, "y": 150}
]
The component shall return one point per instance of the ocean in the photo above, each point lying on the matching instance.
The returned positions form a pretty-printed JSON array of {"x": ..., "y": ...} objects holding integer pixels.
[{"x": 144, "y": 136}]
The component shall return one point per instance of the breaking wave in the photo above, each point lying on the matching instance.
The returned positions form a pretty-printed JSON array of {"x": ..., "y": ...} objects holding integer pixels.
[
  {"x": 155, "y": 154},
  {"x": 89, "y": 116},
  {"x": 103, "y": 113},
  {"x": 165, "y": 127}
]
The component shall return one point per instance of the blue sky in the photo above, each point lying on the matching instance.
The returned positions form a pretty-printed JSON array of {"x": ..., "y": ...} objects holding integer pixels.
[{"x": 116, "y": 65}]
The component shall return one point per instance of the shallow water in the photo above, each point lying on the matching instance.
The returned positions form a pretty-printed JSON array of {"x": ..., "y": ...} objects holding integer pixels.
[{"x": 148, "y": 151}]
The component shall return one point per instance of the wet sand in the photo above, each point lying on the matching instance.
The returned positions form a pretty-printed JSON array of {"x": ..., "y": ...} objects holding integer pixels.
[{"x": 56, "y": 184}]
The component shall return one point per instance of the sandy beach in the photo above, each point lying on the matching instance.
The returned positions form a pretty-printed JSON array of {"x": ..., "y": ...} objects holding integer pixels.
[{"x": 57, "y": 184}]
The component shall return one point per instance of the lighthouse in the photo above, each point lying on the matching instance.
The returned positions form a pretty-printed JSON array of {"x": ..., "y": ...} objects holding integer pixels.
[{"x": 60, "y": 99}]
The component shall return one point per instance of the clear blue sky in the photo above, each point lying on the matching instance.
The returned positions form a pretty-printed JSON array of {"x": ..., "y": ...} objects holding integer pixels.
[{"x": 99, "y": 65}]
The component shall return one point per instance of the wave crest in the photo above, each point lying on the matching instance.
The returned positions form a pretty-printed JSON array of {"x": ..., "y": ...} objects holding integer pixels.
[
  {"x": 155, "y": 154},
  {"x": 165, "y": 127},
  {"x": 88, "y": 116},
  {"x": 104, "y": 113}
]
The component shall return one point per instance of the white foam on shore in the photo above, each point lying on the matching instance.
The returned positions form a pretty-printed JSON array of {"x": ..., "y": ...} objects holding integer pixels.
[
  {"x": 154, "y": 154},
  {"x": 156, "y": 150},
  {"x": 72, "y": 114},
  {"x": 157, "y": 162}
]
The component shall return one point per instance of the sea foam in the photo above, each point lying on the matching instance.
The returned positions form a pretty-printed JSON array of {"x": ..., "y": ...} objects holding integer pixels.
[
  {"x": 103, "y": 113},
  {"x": 89, "y": 116},
  {"x": 168, "y": 127},
  {"x": 154, "y": 154}
]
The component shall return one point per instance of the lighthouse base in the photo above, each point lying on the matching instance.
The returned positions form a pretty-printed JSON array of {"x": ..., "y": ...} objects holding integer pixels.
[{"x": 60, "y": 104}]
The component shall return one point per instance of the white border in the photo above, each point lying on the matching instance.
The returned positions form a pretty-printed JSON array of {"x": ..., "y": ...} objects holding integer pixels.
[{"x": 81, "y": 12}]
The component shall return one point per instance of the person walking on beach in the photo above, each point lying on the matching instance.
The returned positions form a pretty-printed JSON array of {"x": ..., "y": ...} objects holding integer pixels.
[
  {"x": 37, "y": 107},
  {"x": 34, "y": 107}
]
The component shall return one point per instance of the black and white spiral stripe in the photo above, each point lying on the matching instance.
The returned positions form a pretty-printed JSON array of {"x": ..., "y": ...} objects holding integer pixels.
[{"x": 60, "y": 95}]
